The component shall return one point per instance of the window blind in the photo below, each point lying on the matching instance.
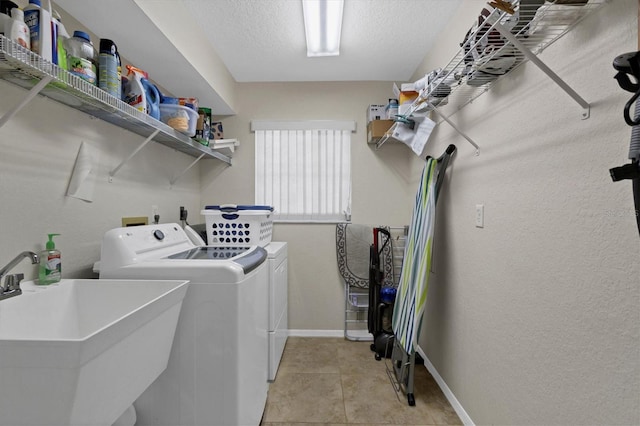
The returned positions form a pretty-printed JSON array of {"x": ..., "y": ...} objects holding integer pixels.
[{"x": 303, "y": 170}]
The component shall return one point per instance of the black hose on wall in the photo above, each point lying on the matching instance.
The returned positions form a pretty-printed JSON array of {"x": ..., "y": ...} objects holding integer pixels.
[
  {"x": 634, "y": 156},
  {"x": 627, "y": 66}
]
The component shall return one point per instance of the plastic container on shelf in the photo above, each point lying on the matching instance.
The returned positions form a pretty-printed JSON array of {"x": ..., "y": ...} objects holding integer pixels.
[
  {"x": 181, "y": 118},
  {"x": 5, "y": 16},
  {"x": 234, "y": 225},
  {"x": 38, "y": 19},
  {"x": 17, "y": 30},
  {"x": 188, "y": 102},
  {"x": 59, "y": 50},
  {"x": 82, "y": 57}
]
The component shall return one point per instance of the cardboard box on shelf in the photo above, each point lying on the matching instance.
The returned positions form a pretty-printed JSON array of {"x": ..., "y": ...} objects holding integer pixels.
[
  {"x": 216, "y": 130},
  {"x": 406, "y": 99},
  {"x": 375, "y": 112},
  {"x": 377, "y": 129},
  {"x": 203, "y": 127}
]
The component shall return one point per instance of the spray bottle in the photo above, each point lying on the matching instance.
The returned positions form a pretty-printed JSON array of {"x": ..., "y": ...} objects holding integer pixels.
[{"x": 50, "y": 268}]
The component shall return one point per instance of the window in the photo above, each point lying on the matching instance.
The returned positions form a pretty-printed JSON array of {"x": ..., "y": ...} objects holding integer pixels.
[{"x": 303, "y": 169}]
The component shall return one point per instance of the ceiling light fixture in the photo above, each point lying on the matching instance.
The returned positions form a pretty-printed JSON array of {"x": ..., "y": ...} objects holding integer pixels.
[{"x": 322, "y": 26}]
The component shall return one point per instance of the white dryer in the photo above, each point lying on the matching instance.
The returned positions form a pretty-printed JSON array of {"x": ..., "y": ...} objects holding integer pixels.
[
  {"x": 278, "y": 306},
  {"x": 217, "y": 370}
]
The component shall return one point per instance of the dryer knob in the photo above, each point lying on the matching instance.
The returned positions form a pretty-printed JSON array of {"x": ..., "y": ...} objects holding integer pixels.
[{"x": 158, "y": 234}]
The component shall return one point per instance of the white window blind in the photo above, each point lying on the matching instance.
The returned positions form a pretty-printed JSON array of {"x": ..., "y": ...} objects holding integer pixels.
[{"x": 303, "y": 169}]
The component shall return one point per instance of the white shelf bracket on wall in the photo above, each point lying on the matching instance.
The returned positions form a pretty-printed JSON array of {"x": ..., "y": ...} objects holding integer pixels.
[
  {"x": 30, "y": 95},
  {"x": 456, "y": 128},
  {"x": 552, "y": 75},
  {"x": 113, "y": 172},
  {"x": 179, "y": 175}
]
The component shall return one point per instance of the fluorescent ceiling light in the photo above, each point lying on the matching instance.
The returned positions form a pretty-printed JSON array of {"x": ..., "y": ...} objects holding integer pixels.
[{"x": 322, "y": 26}]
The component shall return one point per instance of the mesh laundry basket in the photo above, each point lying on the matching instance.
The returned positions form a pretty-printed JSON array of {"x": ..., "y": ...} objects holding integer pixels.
[{"x": 232, "y": 225}]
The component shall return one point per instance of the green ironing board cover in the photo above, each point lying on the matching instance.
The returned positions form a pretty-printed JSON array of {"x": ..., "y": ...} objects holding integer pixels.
[{"x": 414, "y": 278}]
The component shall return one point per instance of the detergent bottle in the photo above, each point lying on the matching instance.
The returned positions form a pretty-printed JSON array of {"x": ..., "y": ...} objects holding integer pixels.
[
  {"x": 153, "y": 98},
  {"x": 140, "y": 93},
  {"x": 134, "y": 93}
]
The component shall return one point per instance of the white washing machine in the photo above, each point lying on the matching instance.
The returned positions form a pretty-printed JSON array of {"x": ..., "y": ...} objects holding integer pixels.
[
  {"x": 278, "y": 306},
  {"x": 217, "y": 370}
]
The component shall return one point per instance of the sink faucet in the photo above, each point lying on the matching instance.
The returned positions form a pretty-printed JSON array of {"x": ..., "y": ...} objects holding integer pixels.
[{"x": 11, "y": 286}]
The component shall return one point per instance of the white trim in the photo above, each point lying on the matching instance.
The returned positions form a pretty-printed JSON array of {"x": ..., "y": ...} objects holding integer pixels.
[
  {"x": 460, "y": 411},
  {"x": 316, "y": 333},
  {"x": 303, "y": 125}
]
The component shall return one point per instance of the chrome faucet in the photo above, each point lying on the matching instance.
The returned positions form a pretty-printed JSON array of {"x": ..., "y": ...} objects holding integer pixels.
[{"x": 11, "y": 286}]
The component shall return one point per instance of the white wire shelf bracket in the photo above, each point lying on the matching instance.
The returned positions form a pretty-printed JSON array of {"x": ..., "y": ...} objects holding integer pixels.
[
  {"x": 496, "y": 47},
  {"x": 30, "y": 71},
  {"x": 552, "y": 75}
]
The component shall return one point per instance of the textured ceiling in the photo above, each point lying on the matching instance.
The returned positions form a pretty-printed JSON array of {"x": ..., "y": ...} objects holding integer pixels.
[{"x": 263, "y": 40}]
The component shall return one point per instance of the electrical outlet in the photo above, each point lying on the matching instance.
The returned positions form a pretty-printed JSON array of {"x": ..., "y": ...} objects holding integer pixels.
[
  {"x": 479, "y": 215},
  {"x": 155, "y": 214}
]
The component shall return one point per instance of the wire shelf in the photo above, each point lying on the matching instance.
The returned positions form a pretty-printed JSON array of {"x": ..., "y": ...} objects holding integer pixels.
[
  {"x": 504, "y": 41},
  {"x": 26, "y": 69}
]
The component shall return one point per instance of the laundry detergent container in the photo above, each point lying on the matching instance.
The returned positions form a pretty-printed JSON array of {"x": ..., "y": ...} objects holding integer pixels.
[{"x": 233, "y": 225}]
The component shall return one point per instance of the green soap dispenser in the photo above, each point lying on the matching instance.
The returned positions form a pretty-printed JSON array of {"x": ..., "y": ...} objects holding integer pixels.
[{"x": 50, "y": 269}]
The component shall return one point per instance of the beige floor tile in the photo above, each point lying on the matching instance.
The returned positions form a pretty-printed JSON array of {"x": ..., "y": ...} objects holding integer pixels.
[
  {"x": 428, "y": 391},
  {"x": 307, "y": 355},
  {"x": 370, "y": 399},
  {"x": 306, "y": 398},
  {"x": 329, "y": 381},
  {"x": 303, "y": 424},
  {"x": 357, "y": 358}
]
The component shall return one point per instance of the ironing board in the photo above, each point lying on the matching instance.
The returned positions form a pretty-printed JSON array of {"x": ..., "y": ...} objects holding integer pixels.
[{"x": 414, "y": 280}]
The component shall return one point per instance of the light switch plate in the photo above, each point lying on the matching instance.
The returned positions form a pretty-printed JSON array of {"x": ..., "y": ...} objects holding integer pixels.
[{"x": 479, "y": 215}]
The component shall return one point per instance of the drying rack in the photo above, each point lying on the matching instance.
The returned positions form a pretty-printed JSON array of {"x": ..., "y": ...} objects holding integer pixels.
[
  {"x": 524, "y": 34},
  {"x": 402, "y": 368},
  {"x": 357, "y": 297}
]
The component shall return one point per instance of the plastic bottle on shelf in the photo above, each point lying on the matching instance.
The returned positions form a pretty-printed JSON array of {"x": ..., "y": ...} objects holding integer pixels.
[
  {"x": 5, "y": 15},
  {"x": 109, "y": 68},
  {"x": 59, "y": 51},
  {"x": 38, "y": 20},
  {"x": 18, "y": 30},
  {"x": 82, "y": 57}
]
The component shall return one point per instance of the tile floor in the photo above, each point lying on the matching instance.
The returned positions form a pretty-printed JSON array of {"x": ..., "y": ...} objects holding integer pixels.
[{"x": 333, "y": 381}]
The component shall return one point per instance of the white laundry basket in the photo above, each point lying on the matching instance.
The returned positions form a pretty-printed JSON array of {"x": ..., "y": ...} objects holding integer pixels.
[{"x": 232, "y": 225}]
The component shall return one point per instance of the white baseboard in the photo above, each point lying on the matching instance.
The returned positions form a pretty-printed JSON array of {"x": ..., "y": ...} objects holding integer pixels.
[{"x": 464, "y": 417}]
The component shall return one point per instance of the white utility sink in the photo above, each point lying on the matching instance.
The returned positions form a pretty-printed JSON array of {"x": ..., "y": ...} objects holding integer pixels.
[{"x": 81, "y": 351}]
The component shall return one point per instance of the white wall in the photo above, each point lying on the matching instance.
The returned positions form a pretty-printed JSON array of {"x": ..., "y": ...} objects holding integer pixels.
[
  {"x": 381, "y": 190},
  {"x": 39, "y": 147},
  {"x": 534, "y": 319}
]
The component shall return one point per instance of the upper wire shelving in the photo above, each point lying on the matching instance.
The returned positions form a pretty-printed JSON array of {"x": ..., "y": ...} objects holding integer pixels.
[
  {"x": 26, "y": 69},
  {"x": 504, "y": 40}
]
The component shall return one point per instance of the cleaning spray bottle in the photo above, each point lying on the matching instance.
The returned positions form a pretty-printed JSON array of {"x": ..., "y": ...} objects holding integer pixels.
[{"x": 50, "y": 269}]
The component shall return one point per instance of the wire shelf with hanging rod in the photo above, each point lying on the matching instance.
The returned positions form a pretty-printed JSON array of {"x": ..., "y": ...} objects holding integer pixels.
[{"x": 505, "y": 35}]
